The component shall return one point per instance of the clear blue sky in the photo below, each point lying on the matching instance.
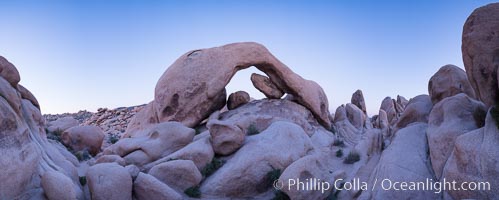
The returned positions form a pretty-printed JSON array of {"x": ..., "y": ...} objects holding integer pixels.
[{"x": 76, "y": 55}]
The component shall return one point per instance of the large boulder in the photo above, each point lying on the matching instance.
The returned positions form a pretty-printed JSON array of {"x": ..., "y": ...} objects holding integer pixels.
[
  {"x": 226, "y": 137},
  {"x": 245, "y": 173},
  {"x": 475, "y": 159},
  {"x": 265, "y": 85},
  {"x": 257, "y": 115},
  {"x": 58, "y": 186},
  {"x": 417, "y": 110},
  {"x": 27, "y": 155},
  {"x": 80, "y": 138},
  {"x": 358, "y": 100},
  {"x": 450, "y": 118},
  {"x": 147, "y": 187},
  {"x": 109, "y": 181},
  {"x": 157, "y": 142},
  {"x": 199, "y": 151},
  {"x": 178, "y": 174},
  {"x": 405, "y": 160},
  {"x": 194, "y": 85},
  {"x": 480, "y": 48},
  {"x": 388, "y": 105},
  {"x": 9, "y": 72},
  {"x": 237, "y": 99},
  {"x": 62, "y": 124},
  {"x": 26, "y": 94},
  {"x": 355, "y": 115},
  {"x": 448, "y": 81}
]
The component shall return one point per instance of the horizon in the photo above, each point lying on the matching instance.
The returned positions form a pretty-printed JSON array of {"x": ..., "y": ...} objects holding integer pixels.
[{"x": 86, "y": 55}]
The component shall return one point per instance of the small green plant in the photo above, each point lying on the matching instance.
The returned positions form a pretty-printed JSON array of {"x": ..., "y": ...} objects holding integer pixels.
[
  {"x": 494, "y": 112},
  {"x": 338, "y": 142},
  {"x": 280, "y": 195},
  {"x": 54, "y": 137},
  {"x": 82, "y": 155},
  {"x": 334, "y": 194},
  {"x": 211, "y": 167},
  {"x": 113, "y": 139},
  {"x": 273, "y": 175},
  {"x": 83, "y": 180},
  {"x": 479, "y": 117},
  {"x": 339, "y": 153},
  {"x": 198, "y": 130},
  {"x": 332, "y": 129},
  {"x": 193, "y": 192},
  {"x": 252, "y": 130},
  {"x": 352, "y": 157}
]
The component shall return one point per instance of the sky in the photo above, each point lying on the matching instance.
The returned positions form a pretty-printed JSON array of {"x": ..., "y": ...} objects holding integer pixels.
[{"x": 85, "y": 55}]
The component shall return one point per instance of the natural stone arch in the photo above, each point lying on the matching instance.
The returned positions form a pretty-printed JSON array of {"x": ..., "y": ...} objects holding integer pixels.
[{"x": 194, "y": 85}]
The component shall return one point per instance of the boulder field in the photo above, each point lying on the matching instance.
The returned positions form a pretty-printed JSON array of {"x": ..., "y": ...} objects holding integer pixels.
[{"x": 192, "y": 142}]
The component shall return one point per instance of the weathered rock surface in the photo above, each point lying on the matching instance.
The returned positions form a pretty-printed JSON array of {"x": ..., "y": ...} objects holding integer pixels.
[
  {"x": 178, "y": 174},
  {"x": 355, "y": 115},
  {"x": 448, "y": 81},
  {"x": 111, "y": 159},
  {"x": 394, "y": 165},
  {"x": 475, "y": 158},
  {"x": 244, "y": 176},
  {"x": 109, "y": 181},
  {"x": 27, "y": 155},
  {"x": 226, "y": 137},
  {"x": 199, "y": 151},
  {"x": 480, "y": 48},
  {"x": 81, "y": 138},
  {"x": 147, "y": 187},
  {"x": 58, "y": 186},
  {"x": 159, "y": 141},
  {"x": 26, "y": 94},
  {"x": 417, "y": 110},
  {"x": 450, "y": 118},
  {"x": 237, "y": 99},
  {"x": 265, "y": 85},
  {"x": 9, "y": 72},
  {"x": 178, "y": 98}
]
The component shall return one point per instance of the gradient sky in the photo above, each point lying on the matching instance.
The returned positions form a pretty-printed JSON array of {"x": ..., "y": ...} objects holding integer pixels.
[{"x": 76, "y": 55}]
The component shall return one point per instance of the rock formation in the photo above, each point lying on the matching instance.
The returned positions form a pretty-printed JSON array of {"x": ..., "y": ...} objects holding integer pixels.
[
  {"x": 186, "y": 145},
  {"x": 179, "y": 98},
  {"x": 31, "y": 165},
  {"x": 449, "y": 81},
  {"x": 480, "y": 50}
]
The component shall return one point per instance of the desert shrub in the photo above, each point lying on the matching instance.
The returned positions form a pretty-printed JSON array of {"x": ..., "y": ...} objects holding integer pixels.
[
  {"x": 211, "y": 167},
  {"x": 479, "y": 117},
  {"x": 338, "y": 142},
  {"x": 54, "y": 137},
  {"x": 333, "y": 195},
  {"x": 193, "y": 192},
  {"x": 272, "y": 176},
  {"x": 252, "y": 130},
  {"x": 113, "y": 139},
  {"x": 352, "y": 157},
  {"x": 83, "y": 180},
  {"x": 82, "y": 155},
  {"x": 494, "y": 112},
  {"x": 339, "y": 153},
  {"x": 280, "y": 195}
]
